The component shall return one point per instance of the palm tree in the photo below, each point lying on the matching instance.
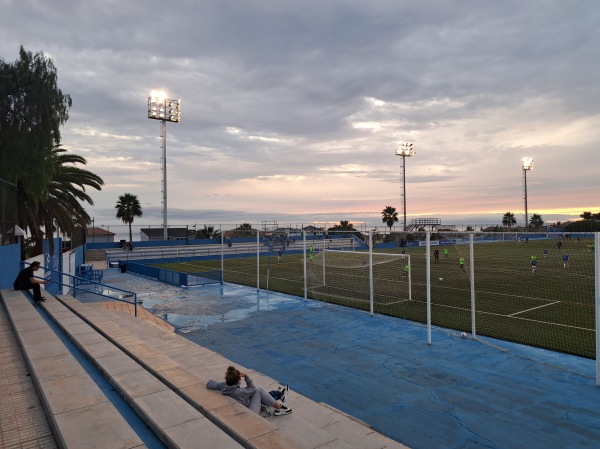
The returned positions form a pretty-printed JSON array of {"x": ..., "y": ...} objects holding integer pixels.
[
  {"x": 61, "y": 205},
  {"x": 509, "y": 219},
  {"x": 536, "y": 221},
  {"x": 128, "y": 207},
  {"x": 389, "y": 216},
  {"x": 586, "y": 215},
  {"x": 344, "y": 225},
  {"x": 67, "y": 189},
  {"x": 209, "y": 232},
  {"x": 244, "y": 230}
]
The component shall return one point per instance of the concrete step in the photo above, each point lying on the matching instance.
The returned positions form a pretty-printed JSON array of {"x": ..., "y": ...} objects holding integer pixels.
[
  {"x": 186, "y": 367},
  {"x": 149, "y": 346},
  {"x": 173, "y": 421},
  {"x": 78, "y": 411},
  {"x": 92, "y": 255}
]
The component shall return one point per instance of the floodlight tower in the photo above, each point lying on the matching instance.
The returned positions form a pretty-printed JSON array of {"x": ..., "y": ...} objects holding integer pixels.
[
  {"x": 165, "y": 110},
  {"x": 405, "y": 150},
  {"x": 527, "y": 164}
]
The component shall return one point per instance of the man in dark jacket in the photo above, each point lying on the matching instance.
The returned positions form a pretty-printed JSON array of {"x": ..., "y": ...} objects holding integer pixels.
[{"x": 26, "y": 281}]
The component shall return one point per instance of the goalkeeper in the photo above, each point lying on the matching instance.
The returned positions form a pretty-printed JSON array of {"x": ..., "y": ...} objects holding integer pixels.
[{"x": 533, "y": 261}]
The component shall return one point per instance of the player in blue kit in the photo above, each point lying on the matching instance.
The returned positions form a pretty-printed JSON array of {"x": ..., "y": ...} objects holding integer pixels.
[
  {"x": 533, "y": 260},
  {"x": 565, "y": 260}
]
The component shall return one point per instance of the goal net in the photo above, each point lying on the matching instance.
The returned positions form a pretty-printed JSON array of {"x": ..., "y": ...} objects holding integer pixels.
[
  {"x": 356, "y": 278},
  {"x": 531, "y": 288}
]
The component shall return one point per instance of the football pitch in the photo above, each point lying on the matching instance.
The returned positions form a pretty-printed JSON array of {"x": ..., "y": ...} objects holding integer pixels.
[{"x": 551, "y": 308}]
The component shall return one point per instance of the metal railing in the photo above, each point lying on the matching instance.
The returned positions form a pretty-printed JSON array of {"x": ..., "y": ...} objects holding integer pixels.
[{"x": 95, "y": 288}]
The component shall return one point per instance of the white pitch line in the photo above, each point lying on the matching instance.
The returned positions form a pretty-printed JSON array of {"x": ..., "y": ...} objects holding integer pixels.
[{"x": 533, "y": 308}]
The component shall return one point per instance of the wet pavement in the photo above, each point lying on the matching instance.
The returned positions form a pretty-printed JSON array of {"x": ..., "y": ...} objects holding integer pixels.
[{"x": 455, "y": 393}]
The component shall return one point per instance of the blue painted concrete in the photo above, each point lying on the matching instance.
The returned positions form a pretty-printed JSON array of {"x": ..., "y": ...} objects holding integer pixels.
[
  {"x": 456, "y": 393},
  {"x": 10, "y": 264}
]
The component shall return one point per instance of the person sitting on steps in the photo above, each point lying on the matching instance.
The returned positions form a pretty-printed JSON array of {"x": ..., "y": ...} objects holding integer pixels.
[
  {"x": 250, "y": 396},
  {"x": 26, "y": 280}
]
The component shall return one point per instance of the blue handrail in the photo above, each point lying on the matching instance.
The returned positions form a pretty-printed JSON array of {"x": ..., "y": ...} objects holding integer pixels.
[{"x": 85, "y": 281}]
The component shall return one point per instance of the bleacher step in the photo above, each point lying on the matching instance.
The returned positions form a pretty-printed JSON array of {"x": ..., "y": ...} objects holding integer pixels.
[{"x": 77, "y": 409}]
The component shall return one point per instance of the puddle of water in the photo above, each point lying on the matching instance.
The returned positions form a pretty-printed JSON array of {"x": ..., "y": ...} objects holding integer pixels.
[{"x": 195, "y": 309}]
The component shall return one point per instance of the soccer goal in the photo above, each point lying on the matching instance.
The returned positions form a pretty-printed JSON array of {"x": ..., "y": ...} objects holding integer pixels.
[{"x": 351, "y": 277}]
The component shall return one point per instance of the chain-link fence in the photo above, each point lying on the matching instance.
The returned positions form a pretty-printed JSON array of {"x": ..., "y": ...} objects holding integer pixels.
[{"x": 537, "y": 289}]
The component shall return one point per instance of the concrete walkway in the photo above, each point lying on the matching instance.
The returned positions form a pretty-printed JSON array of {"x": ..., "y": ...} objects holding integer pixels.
[
  {"x": 23, "y": 423},
  {"x": 162, "y": 376},
  {"x": 455, "y": 393}
]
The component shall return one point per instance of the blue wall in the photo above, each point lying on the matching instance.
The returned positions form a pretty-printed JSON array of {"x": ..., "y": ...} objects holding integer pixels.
[
  {"x": 53, "y": 261},
  {"x": 10, "y": 264},
  {"x": 79, "y": 256}
]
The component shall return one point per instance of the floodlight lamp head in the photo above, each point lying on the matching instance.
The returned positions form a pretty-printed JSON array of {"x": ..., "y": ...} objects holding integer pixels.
[
  {"x": 405, "y": 149},
  {"x": 527, "y": 163},
  {"x": 164, "y": 109},
  {"x": 158, "y": 96}
]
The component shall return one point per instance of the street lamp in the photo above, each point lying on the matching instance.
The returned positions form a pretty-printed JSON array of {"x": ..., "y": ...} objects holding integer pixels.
[
  {"x": 165, "y": 110},
  {"x": 405, "y": 150},
  {"x": 527, "y": 164}
]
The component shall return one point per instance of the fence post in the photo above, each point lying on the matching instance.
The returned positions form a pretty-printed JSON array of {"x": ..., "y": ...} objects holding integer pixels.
[
  {"x": 324, "y": 267},
  {"x": 409, "y": 278},
  {"x": 371, "y": 271},
  {"x": 258, "y": 260},
  {"x": 222, "y": 254},
  {"x": 304, "y": 259},
  {"x": 472, "y": 275},
  {"x": 428, "y": 281},
  {"x": 597, "y": 301}
]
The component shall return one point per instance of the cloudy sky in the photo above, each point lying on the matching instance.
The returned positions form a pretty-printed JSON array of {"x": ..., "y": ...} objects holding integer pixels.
[{"x": 292, "y": 110}]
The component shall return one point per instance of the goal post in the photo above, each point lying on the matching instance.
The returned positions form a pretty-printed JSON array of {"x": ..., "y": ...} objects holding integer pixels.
[{"x": 362, "y": 279}]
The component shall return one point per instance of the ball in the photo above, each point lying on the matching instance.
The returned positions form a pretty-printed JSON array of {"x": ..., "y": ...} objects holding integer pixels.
[
  {"x": 441, "y": 279},
  {"x": 463, "y": 335}
]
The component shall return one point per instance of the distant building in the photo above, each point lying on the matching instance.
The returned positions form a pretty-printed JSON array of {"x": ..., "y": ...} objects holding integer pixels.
[
  {"x": 287, "y": 231},
  {"x": 99, "y": 235},
  {"x": 156, "y": 234},
  {"x": 313, "y": 229}
]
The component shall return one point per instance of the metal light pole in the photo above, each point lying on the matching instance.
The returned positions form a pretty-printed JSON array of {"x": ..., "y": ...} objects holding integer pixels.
[
  {"x": 405, "y": 150},
  {"x": 527, "y": 164},
  {"x": 165, "y": 110}
]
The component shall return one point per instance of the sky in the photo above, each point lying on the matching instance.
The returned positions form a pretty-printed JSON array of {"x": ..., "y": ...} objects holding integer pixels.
[{"x": 291, "y": 111}]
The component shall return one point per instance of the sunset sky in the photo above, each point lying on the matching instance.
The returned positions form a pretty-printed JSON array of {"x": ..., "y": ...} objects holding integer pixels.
[{"x": 292, "y": 110}]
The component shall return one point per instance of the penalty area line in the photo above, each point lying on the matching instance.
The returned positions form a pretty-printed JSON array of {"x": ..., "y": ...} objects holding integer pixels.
[{"x": 533, "y": 308}]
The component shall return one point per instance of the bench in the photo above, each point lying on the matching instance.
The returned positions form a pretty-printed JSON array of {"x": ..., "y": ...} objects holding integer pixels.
[{"x": 87, "y": 275}]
